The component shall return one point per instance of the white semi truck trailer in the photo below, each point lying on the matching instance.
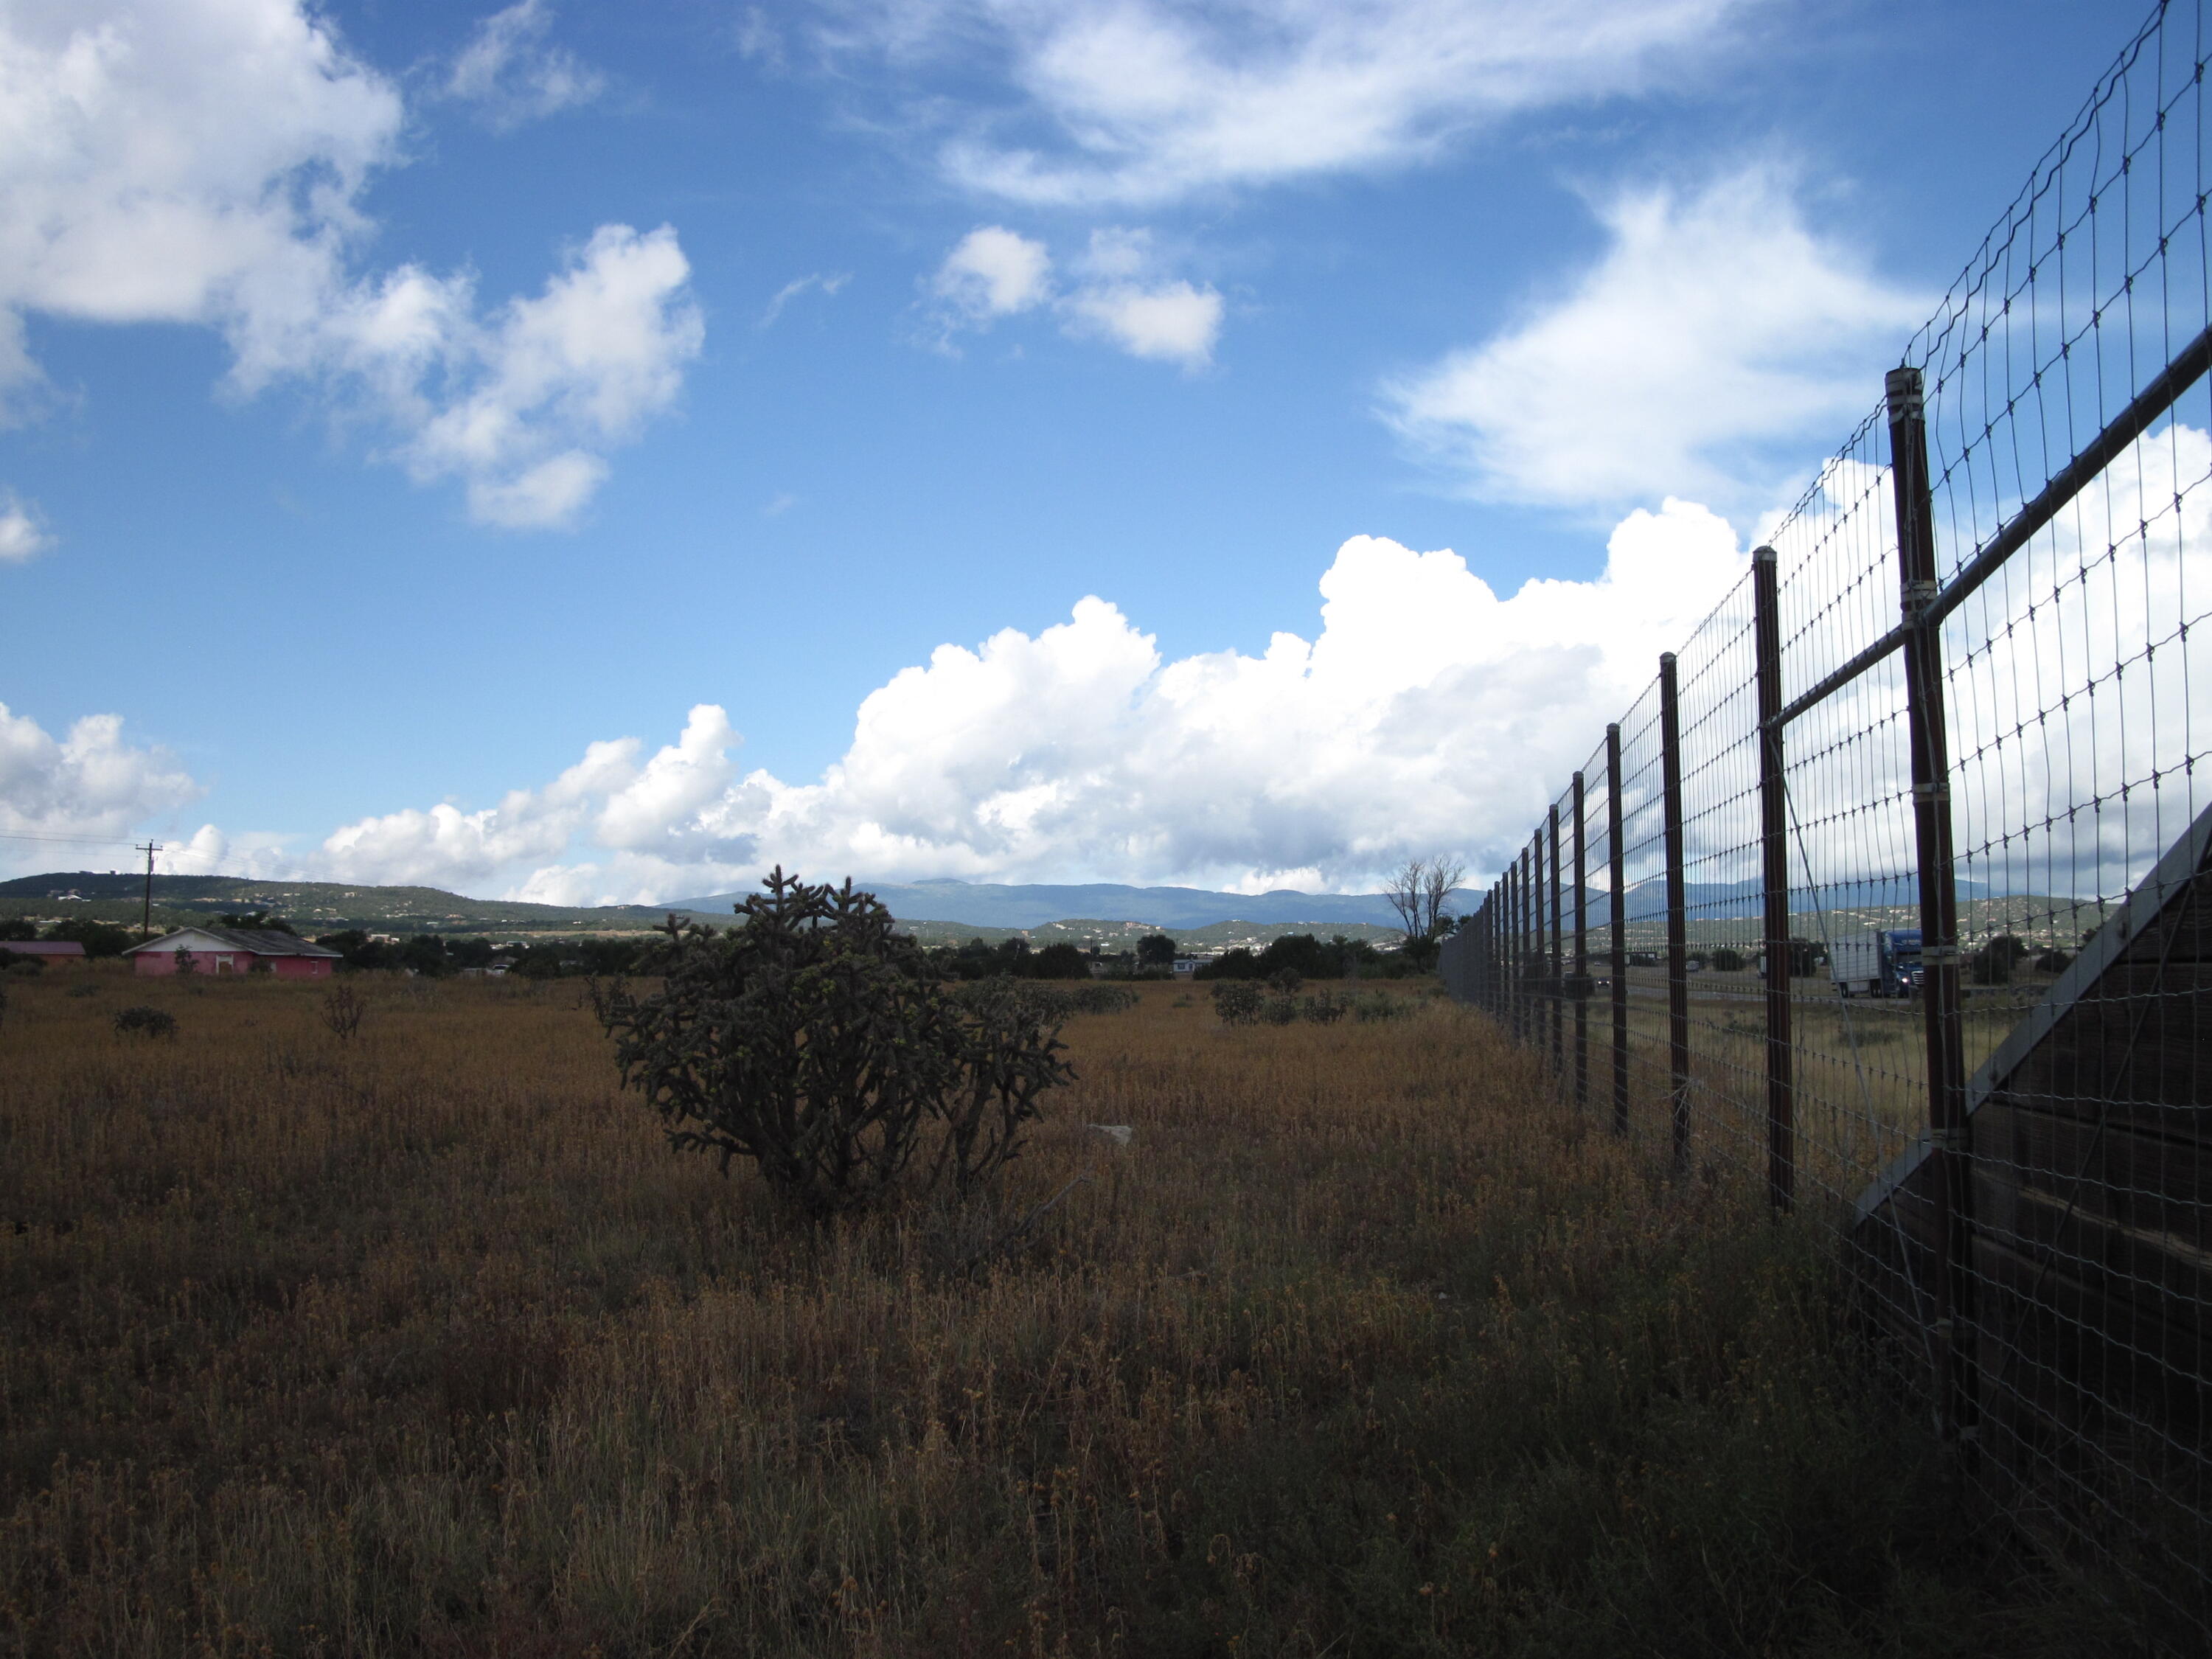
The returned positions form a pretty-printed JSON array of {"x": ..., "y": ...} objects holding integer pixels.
[{"x": 1882, "y": 963}]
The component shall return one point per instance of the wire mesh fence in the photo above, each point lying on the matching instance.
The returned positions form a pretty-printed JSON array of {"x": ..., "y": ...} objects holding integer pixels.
[{"x": 1890, "y": 893}]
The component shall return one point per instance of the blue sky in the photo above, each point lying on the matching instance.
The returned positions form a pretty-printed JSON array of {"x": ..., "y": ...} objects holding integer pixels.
[{"x": 594, "y": 453}]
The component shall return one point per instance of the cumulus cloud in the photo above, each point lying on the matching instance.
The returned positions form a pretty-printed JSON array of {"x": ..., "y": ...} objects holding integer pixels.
[
  {"x": 511, "y": 75},
  {"x": 1174, "y": 321},
  {"x": 521, "y": 404},
  {"x": 1118, "y": 296},
  {"x": 994, "y": 272},
  {"x": 447, "y": 846},
  {"x": 92, "y": 784},
  {"x": 1715, "y": 326},
  {"x": 1143, "y": 101},
  {"x": 22, "y": 538},
  {"x": 203, "y": 162},
  {"x": 1427, "y": 711}
]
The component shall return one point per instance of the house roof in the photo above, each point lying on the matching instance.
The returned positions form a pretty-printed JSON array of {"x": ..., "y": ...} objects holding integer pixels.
[
  {"x": 257, "y": 941},
  {"x": 42, "y": 947}
]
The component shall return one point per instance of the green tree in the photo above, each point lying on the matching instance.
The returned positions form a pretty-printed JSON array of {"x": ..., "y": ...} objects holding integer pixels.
[
  {"x": 259, "y": 921},
  {"x": 100, "y": 939},
  {"x": 1239, "y": 963},
  {"x": 469, "y": 953},
  {"x": 1059, "y": 961},
  {"x": 815, "y": 1041},
  {"x": 358, "y": 950},
  {"x": 1156, "y": 950},
  {"x": 1996, "y": 962}
]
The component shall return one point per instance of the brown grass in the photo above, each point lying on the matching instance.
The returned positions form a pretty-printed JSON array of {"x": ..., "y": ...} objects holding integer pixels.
[{"x": 424, "y": 1343}]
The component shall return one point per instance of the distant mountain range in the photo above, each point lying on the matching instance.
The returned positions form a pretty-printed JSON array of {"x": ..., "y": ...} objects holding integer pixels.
[
  {"x": 1711, "y": 900},
  {"x": 986, "y": 904},
  {"x": 327, "y": 906}
]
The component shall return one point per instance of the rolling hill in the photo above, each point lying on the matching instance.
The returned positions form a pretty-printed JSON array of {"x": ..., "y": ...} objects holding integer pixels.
[
  {"x": 936, "y": 911},
  {"x": 986, "y": 904}
]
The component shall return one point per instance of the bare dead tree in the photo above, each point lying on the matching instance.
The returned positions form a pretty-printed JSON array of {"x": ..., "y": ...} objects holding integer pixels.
[
  {"x": 1419, "y": 889},
  {"x": 1438, "y": 883},
  {"x": 1407, "y": 891}
]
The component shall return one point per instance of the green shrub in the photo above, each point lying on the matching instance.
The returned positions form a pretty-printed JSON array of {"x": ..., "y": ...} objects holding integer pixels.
[
  {"x": 1099, "y": 999},
  {"x": 1048, "y": 1004},
  {"x": 1323, "y": 1008},
  {"x": 1237, "y": 1002},
  {"x": 143, "y": 1021},
  {"x": 1241, "y": 1002},
  {"x": 1380, "y": 1005},
  {"x": 813, "y": 1039}
]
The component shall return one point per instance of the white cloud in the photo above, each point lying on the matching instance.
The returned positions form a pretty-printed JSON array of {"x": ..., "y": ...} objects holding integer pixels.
[
  {"x": 1716, "y": 326},
  {"x": 203, "y": 162},
  {"x": 22, "y": 537},
  {"x": 1174, "y": 321},
  {"x": 1146, "y": 101},
  {"x": 447, "y": 846},
  {"x": 509, "y": 72},
  {"x": 1427, "y": 713},
  {"x": 91, "y": 783},
  {"x": 829, "y": 284},
  {"x": 995, "y": 272},
  {"x": 520, "y": 406},
  {"x": 756, "y": 38}
]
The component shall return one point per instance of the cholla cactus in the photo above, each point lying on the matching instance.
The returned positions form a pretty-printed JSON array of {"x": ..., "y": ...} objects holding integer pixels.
[{"x": 814, "y": 1041}]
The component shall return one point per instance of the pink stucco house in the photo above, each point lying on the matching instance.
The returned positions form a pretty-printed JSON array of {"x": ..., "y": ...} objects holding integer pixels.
[{"x": 234, "y": 951}]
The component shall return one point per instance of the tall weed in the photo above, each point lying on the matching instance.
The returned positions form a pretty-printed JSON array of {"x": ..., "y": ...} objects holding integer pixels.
[{"x": 1360, "y": 1346}]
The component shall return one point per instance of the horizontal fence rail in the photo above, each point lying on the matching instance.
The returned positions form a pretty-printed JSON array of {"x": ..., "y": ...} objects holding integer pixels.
[{"x": 1891, "y": 897}]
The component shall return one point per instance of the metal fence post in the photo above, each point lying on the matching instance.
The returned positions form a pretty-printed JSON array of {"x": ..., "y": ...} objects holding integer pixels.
[
  {"x": 1582, "y": 986},
  {"x": 1505, "y": 948},
  {"x": 1781, "y": 1124},
  {"x": 1950, "y": 1165},
  {"x": 1521, "y": 947},
  {"x": 1478, "y": 926},
  {"x": 1678, "y": 942},
  {"x": 1536, "y": 939},
  {"x": 1556, "y": 965},
  {"x": 1495, "y": 934},
  {"x": 1617, "y": 917}
]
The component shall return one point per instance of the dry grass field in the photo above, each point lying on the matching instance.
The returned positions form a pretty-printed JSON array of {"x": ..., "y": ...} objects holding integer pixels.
[{"x": 424, "y": 1343}]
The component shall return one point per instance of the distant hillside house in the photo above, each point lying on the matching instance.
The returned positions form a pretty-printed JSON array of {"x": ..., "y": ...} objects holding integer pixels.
[
  {"x": 47, "y": 949},
  {"x": 235, "y": 951}
]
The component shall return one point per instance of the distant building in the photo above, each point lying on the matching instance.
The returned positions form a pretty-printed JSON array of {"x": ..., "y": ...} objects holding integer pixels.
[
  {"x": 44, "y": 950},
  {"x": 235, "y": 951},
  {"x": 1185, "y": 967}
]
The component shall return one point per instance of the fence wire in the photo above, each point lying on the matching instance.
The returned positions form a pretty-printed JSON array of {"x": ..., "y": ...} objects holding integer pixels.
[{"x": 2005, "y": 1128}]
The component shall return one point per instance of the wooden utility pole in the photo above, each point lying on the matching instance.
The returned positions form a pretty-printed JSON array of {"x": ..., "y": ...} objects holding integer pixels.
[{"x": 146, "y": 916}]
